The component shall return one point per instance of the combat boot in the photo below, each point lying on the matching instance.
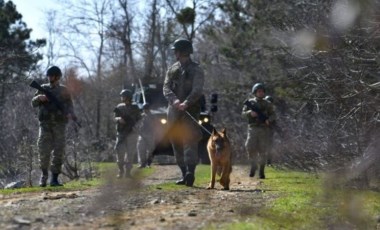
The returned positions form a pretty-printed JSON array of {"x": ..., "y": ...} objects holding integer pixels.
[
  {"x": 54, "y": 180},
  {"x": 142, "y": 165},
  {"x": 149, "y": 162},
  {"x": 44, "y": 178},
  {"x": 190, "y": 175},
  {"x": 261, "y": 171},
  {"x": 182, "y": 180}
]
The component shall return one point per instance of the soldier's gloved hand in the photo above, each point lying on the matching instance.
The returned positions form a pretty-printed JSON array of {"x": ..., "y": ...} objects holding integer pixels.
[
  {"x": 176, "y": 104},
  {"x": 42, "y": 98},
  {"x": 253, "y": 114},
  {"x": 182, "y": 106}
]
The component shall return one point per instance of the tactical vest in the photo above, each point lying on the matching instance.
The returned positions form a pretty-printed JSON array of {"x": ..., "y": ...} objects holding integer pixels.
[{"x": 130, "y": 114}]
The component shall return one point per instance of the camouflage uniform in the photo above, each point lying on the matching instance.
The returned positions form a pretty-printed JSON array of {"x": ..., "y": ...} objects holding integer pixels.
[
  {"x": 258, "y": 138},
  {"x": 184, "y": 83},
  {"x": 145, "y": 142},
  {"x": 126, "y": 136},
  {"x": 51, "y": 138}
]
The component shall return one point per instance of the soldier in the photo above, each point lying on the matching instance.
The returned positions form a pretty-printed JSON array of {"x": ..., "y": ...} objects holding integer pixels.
[
  {"x": 126, "y": 116},
  {"x": 145, "y": 142},
  {"x": 183, "y": 88},
  {"x": 52, "y": 120},
  {"x": 260, "y": 115}
]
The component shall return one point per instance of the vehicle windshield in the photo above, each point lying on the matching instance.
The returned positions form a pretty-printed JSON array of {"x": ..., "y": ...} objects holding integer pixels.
[{"x": 153, "y": 95}]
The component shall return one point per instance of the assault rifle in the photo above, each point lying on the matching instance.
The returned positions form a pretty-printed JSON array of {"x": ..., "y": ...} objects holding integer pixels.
[
  {"x": 262, "y": 117},
  {"x": 55, "y": 101}
]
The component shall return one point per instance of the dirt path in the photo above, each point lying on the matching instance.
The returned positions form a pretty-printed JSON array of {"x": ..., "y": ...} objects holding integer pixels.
[{"x": 122, "y": 206}]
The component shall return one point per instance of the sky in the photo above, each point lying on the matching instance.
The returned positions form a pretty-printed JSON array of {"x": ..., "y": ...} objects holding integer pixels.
[{"x": 33, "y": 14}]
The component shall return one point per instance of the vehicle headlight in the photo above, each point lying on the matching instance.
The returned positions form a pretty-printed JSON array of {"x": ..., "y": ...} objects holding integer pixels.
[
  {"x": 163, "y": 121},
  {"x": 200, "y": 122},
  {"x": 205, "y": 120}
]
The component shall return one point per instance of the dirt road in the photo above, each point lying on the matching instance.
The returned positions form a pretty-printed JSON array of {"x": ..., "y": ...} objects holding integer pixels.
[{"x": 121, "y": 205}]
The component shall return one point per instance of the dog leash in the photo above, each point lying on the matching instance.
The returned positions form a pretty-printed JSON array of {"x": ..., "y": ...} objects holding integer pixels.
[{"x": 192, "y": 118}]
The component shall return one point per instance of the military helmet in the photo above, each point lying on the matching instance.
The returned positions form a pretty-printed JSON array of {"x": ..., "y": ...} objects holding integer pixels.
[
  {"x": 54, "y": 71},
  {"x": 126, "y": 93},
  {"x": 258, "y": 86},
  {"x": 269, "y": 98},
  {"x": 183, "y": 45}
]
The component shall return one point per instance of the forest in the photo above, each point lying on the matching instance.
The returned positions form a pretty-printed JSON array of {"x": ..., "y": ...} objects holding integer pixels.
[{"x": 319, "y": 60}]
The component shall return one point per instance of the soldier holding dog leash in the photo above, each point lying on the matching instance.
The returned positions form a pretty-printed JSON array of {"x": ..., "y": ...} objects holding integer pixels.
[{"x": 183, "y": 88}]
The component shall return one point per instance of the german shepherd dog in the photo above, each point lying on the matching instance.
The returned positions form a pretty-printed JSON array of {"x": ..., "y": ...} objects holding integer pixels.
[{"x": 219, "y": 151}]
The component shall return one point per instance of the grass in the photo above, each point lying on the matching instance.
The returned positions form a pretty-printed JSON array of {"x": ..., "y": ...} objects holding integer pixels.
[
  {"x": 299, "y": 200},
  {"x": 81, "y": 184}
]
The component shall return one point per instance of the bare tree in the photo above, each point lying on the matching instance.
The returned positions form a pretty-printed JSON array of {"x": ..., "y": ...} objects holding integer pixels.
[
  {"x": 89, "y": 19},
  {"x": 51, "y": 25},
  {"x": 121, "y": 30},
  {"x": 320, "y": 73},
  {"x": 151, "y": 38}
]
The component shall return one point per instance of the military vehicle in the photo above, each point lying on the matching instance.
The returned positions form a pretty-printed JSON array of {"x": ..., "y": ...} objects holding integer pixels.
[{"x": 152, "y": 93}]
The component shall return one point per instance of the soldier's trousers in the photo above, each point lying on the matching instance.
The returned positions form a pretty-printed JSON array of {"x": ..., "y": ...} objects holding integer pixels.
[
  {"x": 51, "y": 145},
  {"x": 184, "y": 138},
  {"x": 257, "y": 144},
  {"x": 125, "y": 148},
  {"x": 145, "y": 148}
]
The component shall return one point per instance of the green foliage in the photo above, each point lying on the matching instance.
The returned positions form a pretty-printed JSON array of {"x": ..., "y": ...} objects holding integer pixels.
[
  {"x": 17, "y": 54},
  {"x": 186, "y": 16},
  {"x": 18, "y": 57}
]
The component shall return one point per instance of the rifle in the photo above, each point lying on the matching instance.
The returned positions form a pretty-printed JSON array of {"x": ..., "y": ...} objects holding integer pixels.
[
  {"x": 254, "y": 108},
  {"x": 55, "y": 101}
]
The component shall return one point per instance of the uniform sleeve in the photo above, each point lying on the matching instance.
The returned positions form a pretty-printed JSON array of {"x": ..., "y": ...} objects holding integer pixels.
[
  {"x": 167, "y": 91},
  {"x": 197, "y": 89},
  {"x": 246, "y": 112}
]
